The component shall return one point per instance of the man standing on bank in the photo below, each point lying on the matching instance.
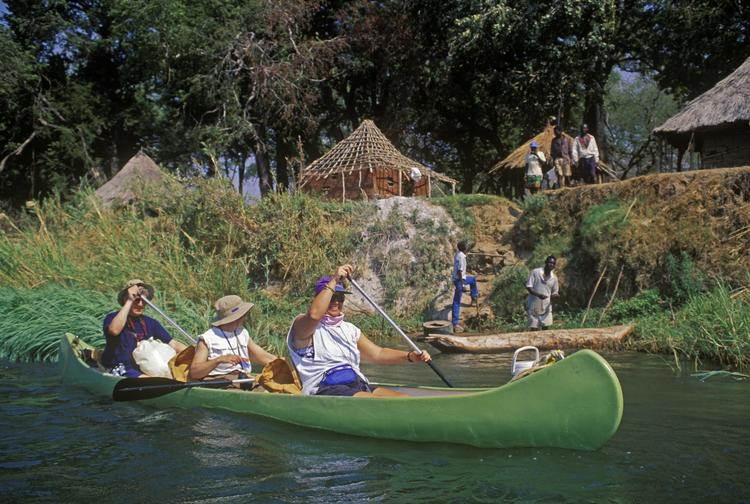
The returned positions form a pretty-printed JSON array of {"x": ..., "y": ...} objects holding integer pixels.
[
  {"x": 542, "y": 285},
  {"x": 561, "y": 154},
  {"x": 586, "y": 155},
  {"x": 460, "y": 278}
]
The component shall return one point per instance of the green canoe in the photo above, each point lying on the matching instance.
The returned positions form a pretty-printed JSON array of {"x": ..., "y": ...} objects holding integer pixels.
[{"x": 575, "y": 403}]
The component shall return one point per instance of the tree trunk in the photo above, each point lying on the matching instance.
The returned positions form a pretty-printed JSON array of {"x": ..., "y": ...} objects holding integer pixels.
[
  {"x": 262, "y": 164},
  {"x": 543, "y": 340},
  {"x": 595, "y": 119},
  {"x": 283, "y": 152}
]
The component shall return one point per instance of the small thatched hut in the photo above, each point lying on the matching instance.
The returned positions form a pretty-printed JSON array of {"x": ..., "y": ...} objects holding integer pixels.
[
  {"x": 140, "y": 169},
  {"x": 716, "y": 124},
  {"x": 366, "y": 165}
]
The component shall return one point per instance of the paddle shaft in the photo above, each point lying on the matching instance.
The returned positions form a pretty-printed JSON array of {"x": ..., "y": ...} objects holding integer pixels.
[
  {"x": 184, "y": 333},
  {"x": 134, "y": 389},
  {"x": 398, "y": 329}
]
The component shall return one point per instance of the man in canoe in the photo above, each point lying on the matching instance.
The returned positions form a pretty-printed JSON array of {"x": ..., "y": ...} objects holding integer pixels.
[
  {"x": 326, "y": 350},
  {"x": 226, "y": 350},
  {"x": 541, "y": 285},
  {"x": 125, "y": 328}
]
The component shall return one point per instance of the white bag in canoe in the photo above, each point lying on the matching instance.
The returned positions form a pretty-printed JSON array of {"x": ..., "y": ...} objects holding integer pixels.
[{"x": 152, "y": 357}]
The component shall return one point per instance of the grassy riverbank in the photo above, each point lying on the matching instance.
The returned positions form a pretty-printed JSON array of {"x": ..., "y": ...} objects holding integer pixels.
[{"x": 624, "y": 257}]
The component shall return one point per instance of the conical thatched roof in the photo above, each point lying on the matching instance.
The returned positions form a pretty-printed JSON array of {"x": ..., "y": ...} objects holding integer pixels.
[
  {"x": 517, "y": 158},
  {"x": 365, "y": 149},
  {"x": 726, "y": 103},
  {"x": 141, "y": 169}
]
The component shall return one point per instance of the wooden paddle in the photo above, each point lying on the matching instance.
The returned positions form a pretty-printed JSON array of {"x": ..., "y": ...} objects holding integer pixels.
[
  {"x": 136, "y": 389},
  {"x": 398, "y": 329}
]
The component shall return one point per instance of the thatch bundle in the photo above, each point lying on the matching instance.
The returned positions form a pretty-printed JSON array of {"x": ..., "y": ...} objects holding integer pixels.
[
  {"x": 726, "y": 103},
  {"x": 365, "y": 149},
  {"x": 141, "y": 169},
  {"x": 517, "y": 158}
]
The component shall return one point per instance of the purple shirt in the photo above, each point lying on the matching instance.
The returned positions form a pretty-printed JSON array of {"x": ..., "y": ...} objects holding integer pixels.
[{"x": 119, "y": 349}]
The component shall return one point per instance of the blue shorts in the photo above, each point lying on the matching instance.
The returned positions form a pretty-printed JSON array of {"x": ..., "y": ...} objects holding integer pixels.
[{"x": 347, "y": 389}]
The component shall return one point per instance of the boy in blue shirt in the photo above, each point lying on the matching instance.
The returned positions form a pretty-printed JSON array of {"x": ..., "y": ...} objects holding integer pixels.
[{"x": 124, "y": 328}]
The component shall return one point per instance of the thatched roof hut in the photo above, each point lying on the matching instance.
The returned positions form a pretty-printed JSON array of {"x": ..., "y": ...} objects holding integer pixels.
[
  {"x": 367, "y": 165},
  {"x": 716, "y": 123},
  {"x": 140, "y": 169}
]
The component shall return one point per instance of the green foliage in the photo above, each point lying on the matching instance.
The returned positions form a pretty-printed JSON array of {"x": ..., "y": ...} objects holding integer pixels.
[
  {"x": 537, "y": 221},
  {"x": 711, "y": 326},
  {"x": 600, "y": 227},
  {"x": 509, "y": 293},
  {"x": 682, "y": 279},
  {"x": 643, "y": 305},
  {"x": 635, "y": 106}
]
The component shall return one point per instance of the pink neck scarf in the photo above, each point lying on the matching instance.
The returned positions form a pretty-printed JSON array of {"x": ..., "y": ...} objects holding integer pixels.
[{"x": 329, "y": 321}]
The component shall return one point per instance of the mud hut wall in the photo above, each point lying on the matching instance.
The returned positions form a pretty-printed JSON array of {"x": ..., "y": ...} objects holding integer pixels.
[
  {"x": 386, "y": 181},
  {"x": 726, "y": 148},
  {"x": 354, "y": 189}
]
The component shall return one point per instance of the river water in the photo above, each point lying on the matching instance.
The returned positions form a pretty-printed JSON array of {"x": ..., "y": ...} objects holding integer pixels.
[{"x": 681, "y": 440}]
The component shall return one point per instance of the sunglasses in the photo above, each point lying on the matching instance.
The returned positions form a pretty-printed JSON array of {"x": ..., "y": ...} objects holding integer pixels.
[{"x": 338, "y": 297}]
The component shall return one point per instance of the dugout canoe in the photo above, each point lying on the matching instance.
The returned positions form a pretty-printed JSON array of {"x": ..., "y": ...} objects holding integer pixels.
[
  {"x": 575, "y": 403},
  {"x": 544, "y": 340}
]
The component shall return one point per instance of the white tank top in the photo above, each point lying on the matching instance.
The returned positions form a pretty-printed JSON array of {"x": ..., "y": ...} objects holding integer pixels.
[
  {"x": 226, "y": 343},
  {"x": 332, "y": 346}
]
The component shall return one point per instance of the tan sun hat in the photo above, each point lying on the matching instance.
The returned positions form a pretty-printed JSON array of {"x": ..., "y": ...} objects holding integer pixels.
[
  {"x": 229, "y": 308},
  {"x": 122, "y": 296}
]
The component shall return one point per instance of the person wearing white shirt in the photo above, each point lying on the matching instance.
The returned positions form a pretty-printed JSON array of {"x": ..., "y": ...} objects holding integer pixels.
[
  {"x": 541, "y": 285},
  {"x": 459, "y": 279},
  {"x": 586, "y": 155},
  {"x": 534, "y": 173}
]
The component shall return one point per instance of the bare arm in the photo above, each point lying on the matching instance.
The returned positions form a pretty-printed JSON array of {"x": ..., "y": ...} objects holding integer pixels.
[
  {"x": 118, "y": 323},
  {"x": 534, "y": 293},
  {"x": 304, "y": 325},
  {"x": 202, "y": 365},
  {"x": 371, "y": 352},
  {"x": 178, "y": 346},
  {"x": 258, "y": 355}
]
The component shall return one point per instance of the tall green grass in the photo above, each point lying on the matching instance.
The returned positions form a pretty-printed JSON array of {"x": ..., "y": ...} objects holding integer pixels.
[{"x": 711, "y": 326}]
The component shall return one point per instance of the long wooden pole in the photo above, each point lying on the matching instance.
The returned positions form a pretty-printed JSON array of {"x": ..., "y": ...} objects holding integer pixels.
[{"x": 398, "y": 329}]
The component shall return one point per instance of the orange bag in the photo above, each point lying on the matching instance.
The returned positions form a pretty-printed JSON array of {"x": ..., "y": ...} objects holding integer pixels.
[
  {"x": 180, "y": 364},
  {"x": 279, "y": 376}
]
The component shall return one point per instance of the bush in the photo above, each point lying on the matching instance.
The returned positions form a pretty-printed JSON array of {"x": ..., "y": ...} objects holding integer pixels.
[
  {"x": 682, "y": 280},
  {"x": 509, "y": 293},
  {"x": 644, "y": 304}
]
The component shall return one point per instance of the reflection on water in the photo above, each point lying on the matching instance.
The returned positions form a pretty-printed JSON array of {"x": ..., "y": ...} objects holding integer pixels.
[{"x": 681, "y": 440}]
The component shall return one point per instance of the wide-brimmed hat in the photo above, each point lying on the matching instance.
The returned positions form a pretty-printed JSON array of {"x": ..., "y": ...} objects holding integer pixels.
[
  {"x": 122, "y": 296},
  {"x": 323, "y": 282},
  {"x": 229, "y": 308}
]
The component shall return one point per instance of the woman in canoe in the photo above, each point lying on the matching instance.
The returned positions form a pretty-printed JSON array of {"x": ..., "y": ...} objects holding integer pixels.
[
  {"x": 326, "y": 350},
  {"x": 226, "y": 350},
  {"x": 125, "y": 328}
]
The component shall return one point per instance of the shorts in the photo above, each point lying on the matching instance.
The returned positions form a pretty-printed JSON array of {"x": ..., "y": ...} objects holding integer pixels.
[
  {"x": 347, "y": 390},
  {"x": 533, "y": 181},
  {"x": 562, "y": 167}
]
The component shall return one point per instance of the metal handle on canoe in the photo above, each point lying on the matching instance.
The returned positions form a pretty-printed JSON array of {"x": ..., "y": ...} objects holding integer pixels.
[
  {"x": 398, "y": 329},
  {"x": 184, "y": 333}
]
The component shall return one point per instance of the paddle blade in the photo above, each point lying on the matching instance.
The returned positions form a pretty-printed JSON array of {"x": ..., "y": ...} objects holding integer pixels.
[{"x": 136, "y": 389}]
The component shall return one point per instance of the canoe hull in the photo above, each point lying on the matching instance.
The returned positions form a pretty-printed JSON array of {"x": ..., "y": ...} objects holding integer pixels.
[{"x": 575, "y": 404}]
